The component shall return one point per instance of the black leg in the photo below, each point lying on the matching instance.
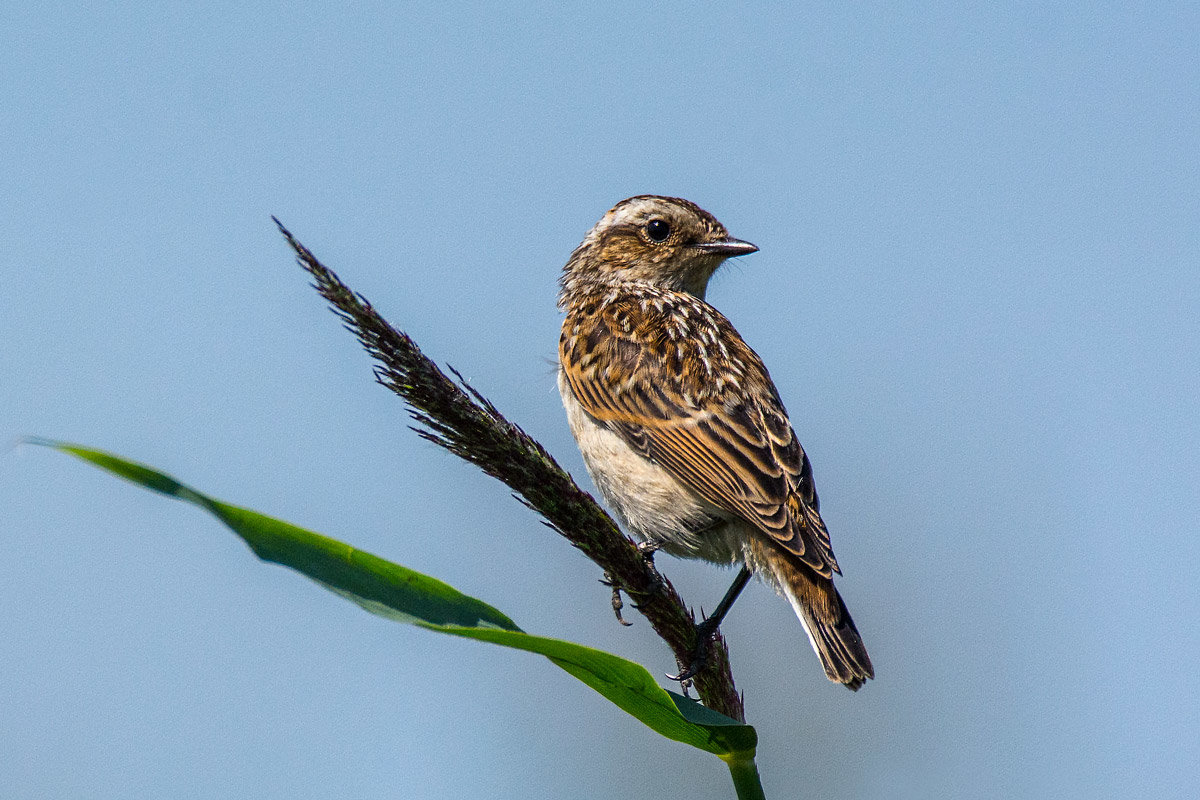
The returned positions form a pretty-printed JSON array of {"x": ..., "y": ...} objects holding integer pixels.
[
  {"x": 617, "y": 605},
  {"x": 706, "y": 629},
  {"x": 647, "y": 551}
]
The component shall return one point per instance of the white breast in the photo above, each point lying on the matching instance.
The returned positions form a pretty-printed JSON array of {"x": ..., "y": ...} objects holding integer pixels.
[{"x": 649, "y": 502}]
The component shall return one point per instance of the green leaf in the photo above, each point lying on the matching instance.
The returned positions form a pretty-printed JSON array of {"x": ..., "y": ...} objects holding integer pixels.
[{"x": 398, "y": 593}]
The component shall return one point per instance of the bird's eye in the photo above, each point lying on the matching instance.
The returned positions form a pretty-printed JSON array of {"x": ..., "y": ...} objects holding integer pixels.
[{"x": 658, "y": 230}]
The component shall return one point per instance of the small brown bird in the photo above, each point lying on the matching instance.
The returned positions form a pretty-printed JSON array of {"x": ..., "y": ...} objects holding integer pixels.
[{"x": 680, "y": 425}]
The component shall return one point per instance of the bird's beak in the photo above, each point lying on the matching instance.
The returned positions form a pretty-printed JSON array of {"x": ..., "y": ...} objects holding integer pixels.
[{"x": 728, "y": 248}]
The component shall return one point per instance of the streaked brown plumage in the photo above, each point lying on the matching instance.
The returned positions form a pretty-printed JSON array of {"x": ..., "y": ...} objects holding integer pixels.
[{"x": 679, "y": 422}]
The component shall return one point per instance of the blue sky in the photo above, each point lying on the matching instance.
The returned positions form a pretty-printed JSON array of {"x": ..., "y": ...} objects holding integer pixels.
[{"x": 976, "y": 291}]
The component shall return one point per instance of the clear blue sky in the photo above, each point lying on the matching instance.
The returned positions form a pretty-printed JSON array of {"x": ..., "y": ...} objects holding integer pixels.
[{"x": 978, "y": 292}]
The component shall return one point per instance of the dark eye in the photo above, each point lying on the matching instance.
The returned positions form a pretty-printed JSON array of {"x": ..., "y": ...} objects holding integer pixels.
[{"x": 658, "y": 230}]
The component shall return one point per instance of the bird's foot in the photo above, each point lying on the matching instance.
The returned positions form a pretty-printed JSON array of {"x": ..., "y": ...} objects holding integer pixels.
[
  {"x": 707, "y": 629},
  {"x": 698, "y": 659},
  {"x": 617, "y": 603},
  {"x": 647, "y": 551}
]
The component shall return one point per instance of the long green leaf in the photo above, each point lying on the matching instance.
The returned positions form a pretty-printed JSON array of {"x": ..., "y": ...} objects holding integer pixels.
[{"x": 398, "y": 593}]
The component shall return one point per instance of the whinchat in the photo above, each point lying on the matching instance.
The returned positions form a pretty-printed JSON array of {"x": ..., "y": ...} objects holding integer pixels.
[{"x": 679, "y": 423}]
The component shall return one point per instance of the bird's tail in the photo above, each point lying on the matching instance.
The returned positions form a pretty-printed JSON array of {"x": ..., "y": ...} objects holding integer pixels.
[{"x": 824, "y": 615}]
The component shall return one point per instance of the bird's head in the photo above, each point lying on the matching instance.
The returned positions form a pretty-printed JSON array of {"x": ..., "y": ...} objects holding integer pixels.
[{"x": 665, "y": 241}]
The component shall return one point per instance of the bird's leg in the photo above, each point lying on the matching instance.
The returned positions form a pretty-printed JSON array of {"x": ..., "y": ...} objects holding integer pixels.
[
  {"x": 647, "y": 550},
  {"x": 708, "y": 626},
  {"x": 617, "y": 605}
]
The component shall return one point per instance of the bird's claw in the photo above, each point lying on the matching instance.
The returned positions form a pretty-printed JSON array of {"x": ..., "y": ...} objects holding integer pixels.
[
  {"x": 647, "y": 550},
  {"x": 617, "y": 603},
  {"x": 705, "y": 631}
]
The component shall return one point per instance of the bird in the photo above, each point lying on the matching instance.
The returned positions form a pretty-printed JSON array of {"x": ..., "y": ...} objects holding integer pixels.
[{"x": 680, "y": 425}]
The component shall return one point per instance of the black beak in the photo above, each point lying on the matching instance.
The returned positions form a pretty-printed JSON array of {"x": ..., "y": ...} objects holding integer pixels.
[{"x": 728, "y": 248}]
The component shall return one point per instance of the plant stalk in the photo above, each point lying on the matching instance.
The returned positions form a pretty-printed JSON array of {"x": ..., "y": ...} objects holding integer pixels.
[
  {"x": 460, "y": 419},
  {"x": 744, "y": 772}
]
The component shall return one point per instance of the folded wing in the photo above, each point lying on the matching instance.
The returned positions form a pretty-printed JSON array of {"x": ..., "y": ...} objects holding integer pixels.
[{"x": 679, "y": 385}]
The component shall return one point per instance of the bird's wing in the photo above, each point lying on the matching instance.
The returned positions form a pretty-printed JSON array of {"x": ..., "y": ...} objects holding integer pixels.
[{"x": 678, "y": 384}]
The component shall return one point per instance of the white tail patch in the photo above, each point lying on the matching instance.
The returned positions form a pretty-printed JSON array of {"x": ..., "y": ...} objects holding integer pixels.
[{"x": 802, "y": 614}]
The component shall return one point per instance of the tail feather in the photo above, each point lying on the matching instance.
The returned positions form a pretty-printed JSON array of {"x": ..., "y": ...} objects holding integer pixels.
[{"x": 825, "y": 618}]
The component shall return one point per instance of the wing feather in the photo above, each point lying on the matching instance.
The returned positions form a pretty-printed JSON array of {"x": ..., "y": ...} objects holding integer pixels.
[{"x": 677, "y": 383}]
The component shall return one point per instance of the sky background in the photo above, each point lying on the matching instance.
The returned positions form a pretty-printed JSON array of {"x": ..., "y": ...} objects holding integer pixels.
[{"x": 977, "y": 292}]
